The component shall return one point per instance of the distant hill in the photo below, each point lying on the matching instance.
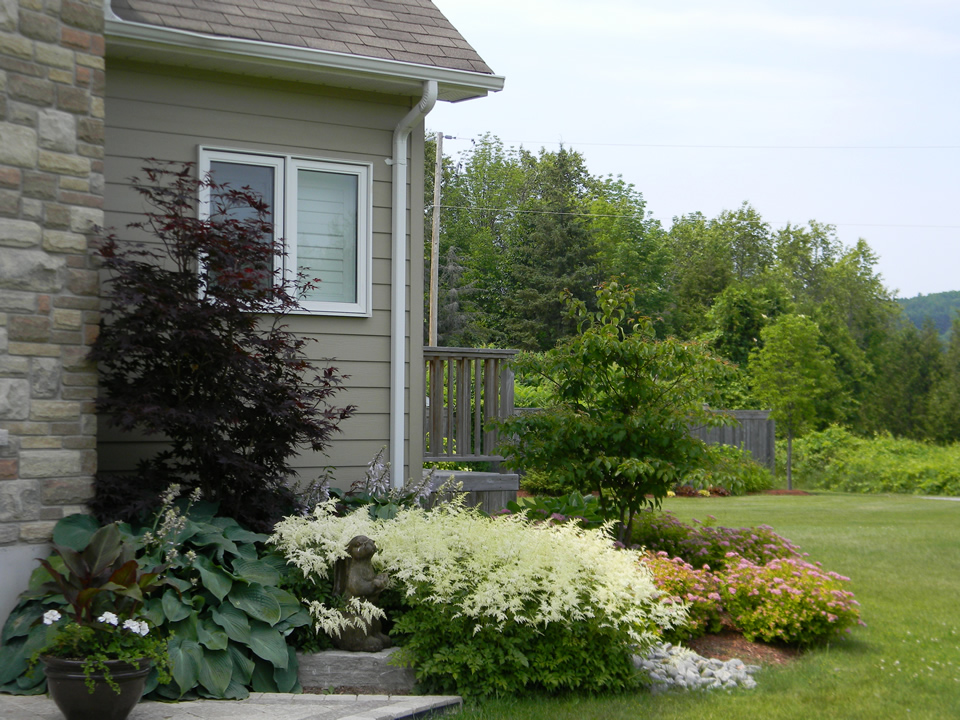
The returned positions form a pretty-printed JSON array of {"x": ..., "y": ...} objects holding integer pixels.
[{"x": 939, "y": 307}]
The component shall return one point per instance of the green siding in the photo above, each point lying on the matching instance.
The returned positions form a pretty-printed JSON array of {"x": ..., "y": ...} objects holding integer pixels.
[{"x": 167, "y": 113}]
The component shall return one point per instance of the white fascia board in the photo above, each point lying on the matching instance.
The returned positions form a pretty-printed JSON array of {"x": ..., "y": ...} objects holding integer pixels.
[{"x": 181, "y": 47}]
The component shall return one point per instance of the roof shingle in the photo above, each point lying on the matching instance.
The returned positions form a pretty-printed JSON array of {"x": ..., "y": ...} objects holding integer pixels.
[{"x": 406, "y": 30}]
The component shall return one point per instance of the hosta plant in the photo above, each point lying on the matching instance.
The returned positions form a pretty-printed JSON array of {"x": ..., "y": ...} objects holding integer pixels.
[
  {"x": 227, "y": 620},
  {"x": 496, "y": 605}
]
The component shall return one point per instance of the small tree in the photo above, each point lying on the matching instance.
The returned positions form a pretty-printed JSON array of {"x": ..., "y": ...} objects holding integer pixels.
[
  {"x": 790, "y": 373},
  {"x": 623, "y": 404},
  {"x": 194, "y": 348}
]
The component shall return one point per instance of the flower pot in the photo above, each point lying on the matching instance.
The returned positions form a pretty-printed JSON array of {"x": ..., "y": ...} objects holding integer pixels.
[{"x": 66, "y": 684}]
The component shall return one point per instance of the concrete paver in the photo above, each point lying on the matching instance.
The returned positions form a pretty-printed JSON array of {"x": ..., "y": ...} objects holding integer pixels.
[{"x": 259, "y": 706}]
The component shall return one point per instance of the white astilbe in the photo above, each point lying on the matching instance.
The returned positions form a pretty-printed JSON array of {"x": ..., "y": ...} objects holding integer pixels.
[
  {"x": 503, "y": 570},
  {"x": 494, "y": 571},
  {"x": 358, "y": 613},
  {"x": 314, "y": 543}
]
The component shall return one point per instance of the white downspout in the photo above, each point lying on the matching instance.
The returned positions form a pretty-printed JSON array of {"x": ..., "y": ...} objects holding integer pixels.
[{"x": 398, "y": 305}]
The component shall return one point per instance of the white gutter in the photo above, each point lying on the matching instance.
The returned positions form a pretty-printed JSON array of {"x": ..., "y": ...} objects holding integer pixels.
[{"x": 398, "y": 306}]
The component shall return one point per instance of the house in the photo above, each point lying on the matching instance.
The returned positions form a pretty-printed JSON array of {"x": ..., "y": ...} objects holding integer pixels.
[{"x": 312, "y": 98}]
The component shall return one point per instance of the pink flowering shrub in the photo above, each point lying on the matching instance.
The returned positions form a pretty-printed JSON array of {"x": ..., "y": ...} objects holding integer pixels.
[
  {"x": 681, "y": 583},
  {"x": 705, "y": 544},
  {"x": 787, "y": 600}
]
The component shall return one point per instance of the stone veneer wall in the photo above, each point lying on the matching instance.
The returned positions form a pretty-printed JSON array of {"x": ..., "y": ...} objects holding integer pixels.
[{"x": 51, "y": 204}]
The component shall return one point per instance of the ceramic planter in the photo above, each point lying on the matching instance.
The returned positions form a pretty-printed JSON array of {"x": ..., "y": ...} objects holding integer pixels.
[{"x": 66, "y": 684}]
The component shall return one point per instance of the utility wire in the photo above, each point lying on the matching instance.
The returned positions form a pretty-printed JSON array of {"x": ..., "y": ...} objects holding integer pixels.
[
  {"x": 720, "y": 147},
  {"x": 514, "y": 211}
]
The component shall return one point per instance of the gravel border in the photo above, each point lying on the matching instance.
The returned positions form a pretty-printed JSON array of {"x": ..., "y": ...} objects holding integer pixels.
[{"x": 674, "y": 667}]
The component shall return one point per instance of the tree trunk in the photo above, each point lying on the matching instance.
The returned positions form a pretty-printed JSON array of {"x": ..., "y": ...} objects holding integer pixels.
[{"x": 789, "y": 459}]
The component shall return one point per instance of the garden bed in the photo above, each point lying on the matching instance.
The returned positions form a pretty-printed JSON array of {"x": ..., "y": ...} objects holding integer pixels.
[{"x": 730, "y": 644}]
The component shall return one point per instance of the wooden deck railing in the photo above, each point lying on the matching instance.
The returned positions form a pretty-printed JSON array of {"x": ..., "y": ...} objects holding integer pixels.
[{"x": 465, "y": 387}]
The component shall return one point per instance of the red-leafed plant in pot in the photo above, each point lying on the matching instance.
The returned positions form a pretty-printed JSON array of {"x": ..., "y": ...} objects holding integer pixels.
[{"x": 97, "y": 658}]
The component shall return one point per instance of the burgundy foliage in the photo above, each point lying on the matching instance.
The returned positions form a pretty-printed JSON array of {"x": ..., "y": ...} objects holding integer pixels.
[{"x": 194, "y": 348}]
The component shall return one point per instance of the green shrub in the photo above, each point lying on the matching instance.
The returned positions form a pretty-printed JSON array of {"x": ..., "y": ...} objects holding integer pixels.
[
  {"x": 729, "y": 468},
  {"x": 835, "y": 459},
  {"x": 814, "y": 453},
  {"x": 453, "y": 657},
  {"x": 225, "y": 614},
  {"x": 585, "y": 509},
  {"x": 698, "y": 589},
  {"x": 623, "y": 402},
  {"x": 788, "y": 600},
  {"x": 540, "y": 482},
  {"x": 496, "y": 605},
  {"x": 531, "y": 392}
]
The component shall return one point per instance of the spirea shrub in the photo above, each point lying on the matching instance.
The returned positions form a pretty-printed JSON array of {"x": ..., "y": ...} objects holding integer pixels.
[
  {"x": 787, "y": 600},
  {"x": 497, "y": 605},
  {"x": 704, "y": 544},
  {"x": 682, "y": 583}
]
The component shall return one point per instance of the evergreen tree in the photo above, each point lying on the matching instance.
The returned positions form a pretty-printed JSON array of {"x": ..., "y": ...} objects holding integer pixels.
[
  {"x": 943, "y": 419},
  {"x": 559, "y": 255},
  {"x": 909, "y": 367}
]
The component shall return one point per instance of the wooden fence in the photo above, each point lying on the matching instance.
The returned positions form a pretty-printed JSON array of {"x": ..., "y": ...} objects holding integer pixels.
[{"x": 753, "y": 431}]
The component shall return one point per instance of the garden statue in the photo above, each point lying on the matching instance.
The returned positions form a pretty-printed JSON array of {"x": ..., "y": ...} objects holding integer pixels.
[{"x": 356, "y": 578}]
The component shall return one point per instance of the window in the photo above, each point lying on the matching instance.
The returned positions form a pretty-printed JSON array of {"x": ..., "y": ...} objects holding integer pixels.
[{"x": 321, "y": 212}]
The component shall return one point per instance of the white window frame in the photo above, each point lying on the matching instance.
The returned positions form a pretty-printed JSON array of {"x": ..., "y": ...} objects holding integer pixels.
[{"x": 284, "y": 209}]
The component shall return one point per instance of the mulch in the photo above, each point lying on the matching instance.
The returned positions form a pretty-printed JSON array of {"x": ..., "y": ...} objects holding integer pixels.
[{"x": 730, "y": 644}]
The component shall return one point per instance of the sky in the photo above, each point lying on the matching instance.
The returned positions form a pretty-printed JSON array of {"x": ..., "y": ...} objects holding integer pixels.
[{"x": 845, "y": 112}]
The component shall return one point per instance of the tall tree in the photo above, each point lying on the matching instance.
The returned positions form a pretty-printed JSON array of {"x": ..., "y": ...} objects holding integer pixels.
[
  {"x": 943, "y": 420},
  {"x": 559, "y": 254},
  {"x": 790, "y": 373},
  {"x": 749, "y": 240},
  {"x": 630, "y": 243},
  {"x": 701, "y": 268},
  {"x": 907, "y": 370},
  {"x": 738, "y": 316}
]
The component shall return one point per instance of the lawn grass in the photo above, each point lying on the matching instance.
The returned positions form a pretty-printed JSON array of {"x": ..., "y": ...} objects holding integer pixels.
[{"x": 903, "y": 557}]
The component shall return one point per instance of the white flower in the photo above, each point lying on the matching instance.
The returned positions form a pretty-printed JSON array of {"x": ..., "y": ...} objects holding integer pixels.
[
  {"x": 50, "y": 617},
  {"x": 109, "y": 618},
  {"x": 137, "y": 626}
]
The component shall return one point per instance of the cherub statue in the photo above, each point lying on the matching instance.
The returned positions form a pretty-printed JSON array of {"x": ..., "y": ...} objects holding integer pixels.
[{"x": 356, "y": 578}]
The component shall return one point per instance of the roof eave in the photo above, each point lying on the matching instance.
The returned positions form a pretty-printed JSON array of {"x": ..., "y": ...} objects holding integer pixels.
[{"x": 139, "y": 41}]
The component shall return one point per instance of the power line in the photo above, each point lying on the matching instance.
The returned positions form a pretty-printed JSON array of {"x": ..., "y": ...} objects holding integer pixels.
[
  {"x": 721, "y": 147},
  {"x": 515, "y": 211}
]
